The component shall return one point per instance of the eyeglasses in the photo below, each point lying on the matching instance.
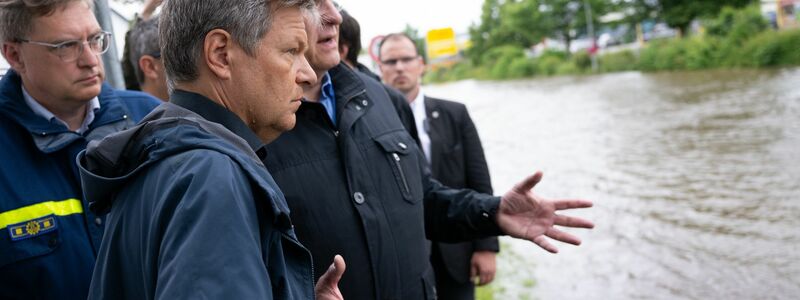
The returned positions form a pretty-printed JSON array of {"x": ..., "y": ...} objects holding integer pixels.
[
  {"x": 69, "y": 51},
  {"x": 393, "y": 62}
]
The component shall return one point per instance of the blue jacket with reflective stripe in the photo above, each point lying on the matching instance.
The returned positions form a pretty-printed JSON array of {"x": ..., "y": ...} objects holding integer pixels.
[{"x": 48, "y": 237}]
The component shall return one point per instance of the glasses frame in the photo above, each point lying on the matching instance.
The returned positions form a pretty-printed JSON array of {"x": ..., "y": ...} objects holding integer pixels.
[
  {"x": 106, "y": 36},
  {"x": 392, "y": 63}
]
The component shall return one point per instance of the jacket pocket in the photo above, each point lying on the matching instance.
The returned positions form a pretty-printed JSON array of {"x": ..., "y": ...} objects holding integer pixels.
[
  {"x": 29, "y": 239},
  {"x": 402, "y": 155}
]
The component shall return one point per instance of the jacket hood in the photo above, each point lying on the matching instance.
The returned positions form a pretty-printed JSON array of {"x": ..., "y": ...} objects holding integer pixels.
[{"x": 109, "y": 164}]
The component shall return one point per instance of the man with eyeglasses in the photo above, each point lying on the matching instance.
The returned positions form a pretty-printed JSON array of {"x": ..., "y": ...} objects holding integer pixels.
[
  {"x": 453, "y": 148},
  {"x": 145, "y": 57},
  {"x": 358, "y": 185},
  {"x": 52, "y": 103}
]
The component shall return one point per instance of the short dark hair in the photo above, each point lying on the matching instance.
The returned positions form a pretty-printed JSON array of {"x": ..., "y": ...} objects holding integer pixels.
[
  {"x": 397, "y": 36},
  {"x": 16, "y": 16},
  {"x": 350, "y": 36},
  {"x": 143, "y": 41}
]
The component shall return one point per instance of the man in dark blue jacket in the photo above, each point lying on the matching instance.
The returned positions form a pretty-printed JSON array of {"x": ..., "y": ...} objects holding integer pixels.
[
  {"x": 192, "y": 211},
  {"x": 358, "y": 186},
  {"x": 52, "y": 102}
]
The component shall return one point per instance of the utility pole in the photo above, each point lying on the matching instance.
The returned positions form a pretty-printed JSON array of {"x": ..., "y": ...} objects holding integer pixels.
[
  {"x": 110, "y": 60},
  {"x": 590, "y": 27}
]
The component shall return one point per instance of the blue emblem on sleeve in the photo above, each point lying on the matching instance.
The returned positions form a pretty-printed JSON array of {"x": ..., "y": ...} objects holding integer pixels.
[{"x": 32, "y": 228}]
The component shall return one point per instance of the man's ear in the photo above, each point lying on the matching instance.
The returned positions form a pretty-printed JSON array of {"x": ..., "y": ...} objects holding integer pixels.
[
  {"x": 149, "y": 67},
  {"x": 217, "y": 51},
  {"x": 343, "y": 49},
  {"x": 13, "y": 56}
]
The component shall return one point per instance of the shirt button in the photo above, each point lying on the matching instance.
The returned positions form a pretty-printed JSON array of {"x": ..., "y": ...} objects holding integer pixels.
[
  {"x": 98, "y": 221},
  {"x": 358, "y": 107},
  {"x": 358, "y": 197},
  {"x": 402, "y": 146},
  {"x": 364, "y": 102},
  {"x": 53, "y": 242}
]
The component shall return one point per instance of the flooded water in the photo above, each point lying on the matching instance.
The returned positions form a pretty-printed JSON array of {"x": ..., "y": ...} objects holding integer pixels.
[{"x": 695, "y": 178}]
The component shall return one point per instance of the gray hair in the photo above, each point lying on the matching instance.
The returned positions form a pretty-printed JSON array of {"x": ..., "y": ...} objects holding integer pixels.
[
  {"x": 185, "y": 23},
  {"x": 16, "y": 16},
  {"x": 143, "y": 41}
]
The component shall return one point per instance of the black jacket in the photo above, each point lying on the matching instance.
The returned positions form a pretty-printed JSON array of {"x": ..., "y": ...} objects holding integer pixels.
[
  {"x": 192, "y": 212},
  {"x": 457, "y": 161},
  {"x": 357, "y": 189}
]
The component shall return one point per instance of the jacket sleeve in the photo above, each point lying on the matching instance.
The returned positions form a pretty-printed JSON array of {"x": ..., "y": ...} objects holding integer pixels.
[
  {"x": 457, "y": 215},
  {"x": 211, "y": 246},
  {"x": 477, "y": 171}
]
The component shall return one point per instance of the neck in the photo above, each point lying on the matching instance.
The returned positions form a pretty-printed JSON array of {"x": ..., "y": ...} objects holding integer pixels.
[
  {"x": 71, "y": 112},
  {"x": 155, "y": 91},
  {"x": 412, "y": 94}
]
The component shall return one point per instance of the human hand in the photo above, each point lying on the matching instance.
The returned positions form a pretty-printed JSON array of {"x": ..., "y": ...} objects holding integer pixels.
[
  {"x": 327, "y": 288},
  {"x": 149, "y": 8},
  {"x": 523, "y": 214},
  {"x": 483, "y": 266}
]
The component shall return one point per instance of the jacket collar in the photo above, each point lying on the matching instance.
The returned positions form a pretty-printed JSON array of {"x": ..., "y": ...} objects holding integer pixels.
[{"x": 346, "y": 84}]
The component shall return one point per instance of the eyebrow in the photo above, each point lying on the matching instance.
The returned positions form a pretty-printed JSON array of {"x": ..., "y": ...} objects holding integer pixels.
[{"x": 59, "y": 41}]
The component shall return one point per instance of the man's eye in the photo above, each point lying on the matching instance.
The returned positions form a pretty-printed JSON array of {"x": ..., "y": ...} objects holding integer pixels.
[{"x": 67, "y": 45}]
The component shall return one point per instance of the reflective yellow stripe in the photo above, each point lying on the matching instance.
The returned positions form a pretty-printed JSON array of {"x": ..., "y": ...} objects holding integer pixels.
[{"x": 58, "y": 208}]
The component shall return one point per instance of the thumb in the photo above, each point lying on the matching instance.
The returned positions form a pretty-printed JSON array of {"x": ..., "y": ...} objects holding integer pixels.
[
  {"x": 334, "y": 273},
  {"x": 529, "y": 182}
]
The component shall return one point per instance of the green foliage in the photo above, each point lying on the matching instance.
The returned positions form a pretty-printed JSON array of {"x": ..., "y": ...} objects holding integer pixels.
[
  {"x": 680, "y": 13},
  {"x": 736, "y": 24},
  {"x": 549, "y": 63},
  {"x": 734, "y": 38},
  {"x": 484, "y": 292},
  {"x": 617, "y": 62},
  {"x": 771, "y": 49}
]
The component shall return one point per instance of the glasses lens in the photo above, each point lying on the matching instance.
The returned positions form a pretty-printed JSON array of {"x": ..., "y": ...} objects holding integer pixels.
[
  {"x": 68, "y": 51},
  {"x": 100, "y": 43}
]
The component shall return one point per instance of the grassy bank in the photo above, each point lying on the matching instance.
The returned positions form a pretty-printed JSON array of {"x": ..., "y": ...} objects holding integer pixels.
[{"x": 734, "y": 39}]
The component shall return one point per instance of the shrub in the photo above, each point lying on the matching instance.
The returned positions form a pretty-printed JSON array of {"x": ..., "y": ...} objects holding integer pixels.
[{"x": 616, "y": 62}]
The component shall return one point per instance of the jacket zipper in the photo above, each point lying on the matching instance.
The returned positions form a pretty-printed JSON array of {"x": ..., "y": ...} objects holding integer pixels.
[{"x": 402, "y": 175}]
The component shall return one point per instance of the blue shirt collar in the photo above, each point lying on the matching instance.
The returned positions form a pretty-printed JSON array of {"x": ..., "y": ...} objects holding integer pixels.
[{"x": 327, "y": 97}]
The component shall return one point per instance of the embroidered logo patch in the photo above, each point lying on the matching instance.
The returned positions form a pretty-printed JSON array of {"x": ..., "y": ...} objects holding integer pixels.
[{"x": 32, "y": 228}]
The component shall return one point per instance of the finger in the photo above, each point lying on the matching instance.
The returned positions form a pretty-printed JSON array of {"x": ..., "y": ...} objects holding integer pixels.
[
  {"x": 575, "y": 222},
  {"x": 542, "y": 242},
  {"x": 572, "y": 203},
  {"x": 562, "y": 236},
  {"x": 490, "y": 277},
  {"x": 484, "y": 279},
  {"x": 473, "y": 271},
  {"x": 529, "y": 182},
  {"x": 334, "y": 273}
]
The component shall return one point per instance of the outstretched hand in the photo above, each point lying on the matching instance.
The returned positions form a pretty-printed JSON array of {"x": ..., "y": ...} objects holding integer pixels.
[
  {"x": 327, "y": 287},
  {"x": 523, "y": 214}
]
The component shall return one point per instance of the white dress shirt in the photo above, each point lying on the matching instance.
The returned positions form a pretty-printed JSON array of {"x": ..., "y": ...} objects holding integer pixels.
[{"x": 420, "y": 117}]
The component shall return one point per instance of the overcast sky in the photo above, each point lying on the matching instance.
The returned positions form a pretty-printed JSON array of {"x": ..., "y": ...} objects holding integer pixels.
[{"x": 378, "y": 17}]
